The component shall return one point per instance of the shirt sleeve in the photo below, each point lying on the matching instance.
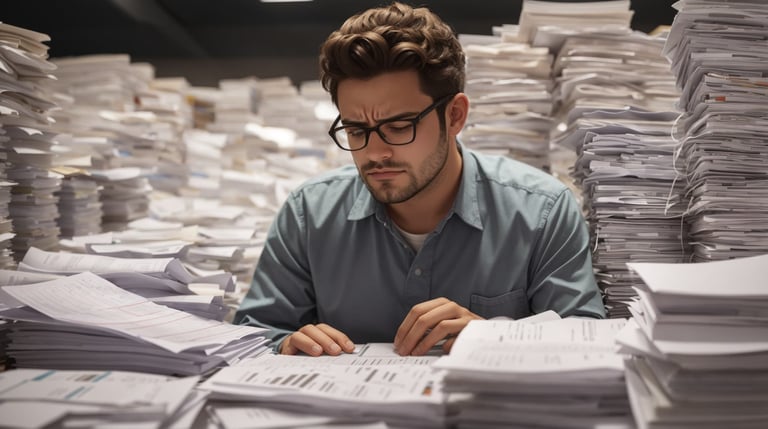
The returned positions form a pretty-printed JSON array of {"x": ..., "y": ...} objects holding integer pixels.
[
  {"x": 562, "y": 275},
  {"x": 281, "y": 297}
]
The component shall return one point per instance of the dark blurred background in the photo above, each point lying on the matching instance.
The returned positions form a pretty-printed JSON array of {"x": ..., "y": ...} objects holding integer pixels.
[{"x": 205, "y": 41}]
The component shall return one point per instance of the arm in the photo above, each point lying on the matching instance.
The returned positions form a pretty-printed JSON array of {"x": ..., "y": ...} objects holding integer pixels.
[
  {"x": 561, "y": 265},
  {"x": 282, "y": 297}
]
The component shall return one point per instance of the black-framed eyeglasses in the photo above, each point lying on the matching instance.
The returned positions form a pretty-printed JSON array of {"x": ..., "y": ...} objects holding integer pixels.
[{"x": 396, "y": 131}]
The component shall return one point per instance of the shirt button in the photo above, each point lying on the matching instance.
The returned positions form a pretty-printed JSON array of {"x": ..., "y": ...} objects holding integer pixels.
[{"x": 417, "y": 271}]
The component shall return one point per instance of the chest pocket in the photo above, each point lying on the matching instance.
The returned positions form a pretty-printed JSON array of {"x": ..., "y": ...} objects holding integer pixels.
[{"x": 513, "y": 304}]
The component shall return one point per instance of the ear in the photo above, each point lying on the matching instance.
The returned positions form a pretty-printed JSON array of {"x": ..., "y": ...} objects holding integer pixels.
[{"x": 456, "y": 113}]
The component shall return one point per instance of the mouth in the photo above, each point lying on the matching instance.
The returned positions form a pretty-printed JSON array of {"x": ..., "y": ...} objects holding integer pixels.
[{"x": 384, "y": 174}]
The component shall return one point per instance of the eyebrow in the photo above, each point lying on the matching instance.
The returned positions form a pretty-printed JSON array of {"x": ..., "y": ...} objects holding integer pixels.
[{"x": 391, "y": 118}]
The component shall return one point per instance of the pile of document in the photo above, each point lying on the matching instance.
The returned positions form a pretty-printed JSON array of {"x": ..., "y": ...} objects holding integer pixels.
[
  {"x": 510, "y": 91},
  {"x": 86, "y": 322},
  {"x": 634, "y": 201},
  {"x": 79, "y": 203},
  {"x": 614, "y": 101},
  {"x": 165, "y": 99},
  {"x": 547, "y": 23},
  {"x": 26, "y": 103},
  {"x": 35, "y": 398},
  {"x": 6, "y": 225},
  {"x": 236, "y": 105},
  {"x": 718, "y": 56},
  {"x": 162, "y": 280},
  {"x": 126, "y": 132},
  {"x": 699, "y": 340},
  {"x": 124, "y": 196},
  {"x": 538, "y": 372},
  {"x": 374, "y": 383},
  {"x": 3, "y": 343}
]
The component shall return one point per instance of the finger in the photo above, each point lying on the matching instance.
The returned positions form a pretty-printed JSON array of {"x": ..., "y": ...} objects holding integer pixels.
[
  {"x": 338, "y": 337},
  {"x": 416, "y": 312},
  {"x": 300, "y": 342},
  {"x": 322, "y": 340},
  {"x": 448, "y": 344},
  {"x": 444, "y": 329},
  {"x": 424, "y": 325}
]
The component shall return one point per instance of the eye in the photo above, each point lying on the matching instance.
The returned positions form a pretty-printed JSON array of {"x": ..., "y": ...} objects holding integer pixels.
[
  {"x": 355, "y": 132},
  {"x": 397, "y": 127}
]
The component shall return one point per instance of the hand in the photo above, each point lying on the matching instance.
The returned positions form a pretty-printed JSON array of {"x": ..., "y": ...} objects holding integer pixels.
[
  {"x": 316, "y": 339},
  {"x": 428, "y": 323}
]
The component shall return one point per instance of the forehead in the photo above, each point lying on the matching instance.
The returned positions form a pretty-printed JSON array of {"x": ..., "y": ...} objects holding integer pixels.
[{"x": 381, "y": 96}]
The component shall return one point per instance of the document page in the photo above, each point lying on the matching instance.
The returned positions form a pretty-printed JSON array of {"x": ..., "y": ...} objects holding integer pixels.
[
  {"x": 517, "y": 347},
  {"x": 318, "y": 378},
  {"x": 87, "y": 299},
  {"x": 62, "y": 263}
]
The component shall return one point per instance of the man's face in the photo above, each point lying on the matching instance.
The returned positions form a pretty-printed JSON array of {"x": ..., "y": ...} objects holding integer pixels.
[{"x": 394, "y": 174}]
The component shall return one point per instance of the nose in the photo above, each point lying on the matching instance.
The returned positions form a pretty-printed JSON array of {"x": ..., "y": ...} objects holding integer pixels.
[{"x": 377, "y": 149}]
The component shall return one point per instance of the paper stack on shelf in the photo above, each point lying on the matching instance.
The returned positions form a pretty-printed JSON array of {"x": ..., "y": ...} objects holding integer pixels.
[
  {"x": 374, "y": 383},
  {"x": 699, "y": 340},
  {"x": 548, "y": 374},
  {"x": 26, "y": 104},
  {"x": 510, "y": 91},
  {"x": 86, "y": 322},
  {"x": 33, "y": 398},
  {"x": 718, "y": 56}
]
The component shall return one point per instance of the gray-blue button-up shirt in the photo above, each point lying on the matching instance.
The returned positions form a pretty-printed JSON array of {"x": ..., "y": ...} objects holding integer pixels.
[{"x": 514, "y": 244}]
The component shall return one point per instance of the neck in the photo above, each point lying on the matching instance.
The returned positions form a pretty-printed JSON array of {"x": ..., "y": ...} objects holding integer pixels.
[{"x": 422, "y": 213}]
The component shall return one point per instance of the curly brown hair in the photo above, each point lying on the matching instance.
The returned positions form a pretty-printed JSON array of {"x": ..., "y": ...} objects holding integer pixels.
[{"x": 394, "y": 38}]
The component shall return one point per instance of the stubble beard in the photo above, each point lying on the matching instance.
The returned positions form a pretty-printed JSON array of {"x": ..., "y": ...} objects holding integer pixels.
[{"x": 388, "y": 193}]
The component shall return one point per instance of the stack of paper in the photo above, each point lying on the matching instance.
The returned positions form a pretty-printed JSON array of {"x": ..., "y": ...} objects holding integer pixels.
[
  {"x": 165, "y": 99},
  {"x": 718, "y": 56},
  {"x": 79, "y": 205},
  {"x": 205, "y": 162},
  {"x": 283, "y": 105},
  {"x": 33, "y": 398},
  {"x": 548, "y": 23},
  {"x": 124, "y": 196},
  {"x": 373, "y": 383},
  {"x": 509, "y": 86},
  {"x": 164, "y": 280},
  {"x": 202, "y": 100},
  {"x": 700, "y": 343},
  {"x": 551, "y": 374},
  {"x": 26, "y": 103},
  {"x": 99, "y": 82},
  {"x": 614, "y": 105},
  {"x": 89, "y": 88},
  {"x": 634, "y": 202},
  {"x": 6, "y": 225},
  {"x": 236, "y": 105},
  {"x": 3, "y": 344},
  {"x": 86, "y": 322}
]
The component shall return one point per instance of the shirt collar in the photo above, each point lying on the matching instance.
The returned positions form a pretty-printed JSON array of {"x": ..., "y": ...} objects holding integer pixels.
[{"x": 466, "y": 206}]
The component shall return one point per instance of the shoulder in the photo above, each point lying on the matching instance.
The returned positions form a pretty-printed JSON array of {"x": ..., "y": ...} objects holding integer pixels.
[{"x": 506, "y": 174}]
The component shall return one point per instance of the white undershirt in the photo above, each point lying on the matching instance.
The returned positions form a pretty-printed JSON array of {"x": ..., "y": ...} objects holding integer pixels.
[{"x": 415, "y": 240}]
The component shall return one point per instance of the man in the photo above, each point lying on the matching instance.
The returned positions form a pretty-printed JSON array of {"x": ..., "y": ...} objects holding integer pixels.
[{"x": 423, "y": 235}]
